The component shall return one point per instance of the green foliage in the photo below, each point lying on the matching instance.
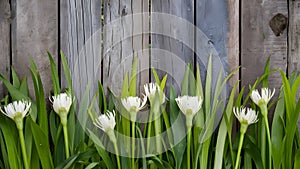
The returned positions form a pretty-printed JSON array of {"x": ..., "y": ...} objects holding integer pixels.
[{"x": 213, "y": 145}]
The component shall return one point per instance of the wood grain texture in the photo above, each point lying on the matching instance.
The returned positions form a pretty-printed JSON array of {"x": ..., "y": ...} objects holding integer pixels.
[
  {"x": 169, "y": 53},
  {"x": 34, "y": 31},
  {"x": 80, "y": 40},
  {"x": 259, "y": 41},
  {"x": 233, "y": 38},
  {"x": 124, "y": 38},
  {"x": 5, "y": 15},
  {"x": 212, "y": 20},
  {"x": 294, "y": 37}
]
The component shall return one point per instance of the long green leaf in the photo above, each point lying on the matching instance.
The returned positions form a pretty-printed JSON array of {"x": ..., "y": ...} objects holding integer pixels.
[
  {"x": 54, "y": 74},
  {"x": 42, "y": 146}
]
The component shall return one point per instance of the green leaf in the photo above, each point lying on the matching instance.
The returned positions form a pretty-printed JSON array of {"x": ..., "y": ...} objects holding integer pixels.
[
  {"x": 54, "y": 74},
  {"x": 66, "y": 70},
  {"x": 297, "y": 160},
  {"x": 132, "y": 83},
  {"x": 224, "y": 130},
  {"x": 163, "y": 82},
  {"x": 185, "y": 82},
  {"x": 15, "y": 79},
  {"x": 178, "y": 126},
  {"x": 102, "y": 98},
  {"x": 156, "y": 76},
  {"x": 125, "y": 91},
  {"x": 101, "y": 151},
  {"x": 10, "y": 135},
  {"x": 24, "y": 87},
  {"x": 266, "y": 71},
  {"x": 42, "y": 146},
  {"x": 277, "y": 132},
  {"x": 40, "y": 98}
]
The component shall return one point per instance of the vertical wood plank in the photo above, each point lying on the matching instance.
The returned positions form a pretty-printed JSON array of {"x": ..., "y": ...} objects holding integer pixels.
[
  {"x": 261, "y": 39},
  {"x": 233, "y": 38},
  {"x": 294, "y": 40},
  {"x": 124, "y": 39},
  {"x": 80, "y": 40},
  {"x": 168, "y": 54},
  {"x": 140, "y": 42},
  {"x": 112, "y": 56},
  {"x": 212, "y": 20},
  {"x": 5, "y": 15},
  {"x": 34, "y": 31},
  {"x": 294, "y": 37}
]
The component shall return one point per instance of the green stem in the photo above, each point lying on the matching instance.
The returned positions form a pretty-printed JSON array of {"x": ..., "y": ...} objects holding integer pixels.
[
  {"x": 113, "y": 139},
  {"x": 243, "y": 131},
  {"x": 189, "y": 147},
  {"x": 133, "y": 144},
  {"x": 269, "y": 141},
  {"x": 21, "y": 136},
  {"x": 263, "y": 143},
  {"x": 117, "y": 155},
  {"x": 157, "y": 130},
  {"x": 149, "y": 126},
  {"x": 189, "y": 123},
  {"x": 65, "y": 128}
]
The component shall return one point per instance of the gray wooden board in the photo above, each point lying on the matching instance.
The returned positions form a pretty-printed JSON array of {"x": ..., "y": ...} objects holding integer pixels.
[
  {"x": 294, "y": 37},
  {"x": 294, "y": 40},
  {"x": 212, "y": 20},
  {"x": 5, "y": 20},
  {"x": 233, "y": 39},
  {"x": 259, "y": 41},
  {"x": 171, "y": 55},
  {"x": 34, "y": 31},
  {"x": 80, "y": 40},
  {"x": 125, "y": 37}
]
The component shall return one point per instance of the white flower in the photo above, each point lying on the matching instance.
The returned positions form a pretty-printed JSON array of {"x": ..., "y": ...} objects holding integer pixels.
[
  {"x": 106, "y": 121},
  {"x": 61, "y": 102},
  {"x": 189, "y": 105},
  {"x": 134, "y": 104},
  {"x": 150, "y": 90},
  {"x": 264, "y": 98},
  {"x": 245, "y": 115},
  {"x": 16, "y": 109}
]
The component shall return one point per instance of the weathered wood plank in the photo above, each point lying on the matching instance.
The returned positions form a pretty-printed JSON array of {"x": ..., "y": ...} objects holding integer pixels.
[
  {"x": 294, "y": 37},
  {"x": 233, "y": 38},
  {"x": 80, "y": 40},
  {"x": 212, "y": 20},
  {"x": 261, "y": 39},
  {"x": 5, "y": 15},
  {"x": 140, "y": 40},
  {"x": 124, "y": 38},
  {"x": 112, "y": 55},
  {"x": 170, "y": 53},
  {"x": 294, "y": 40},
  {"x": 34, "y": 31}
]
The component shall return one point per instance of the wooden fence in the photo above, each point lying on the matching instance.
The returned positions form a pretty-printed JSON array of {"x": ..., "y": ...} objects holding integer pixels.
[{"x": 242, "y": 32}]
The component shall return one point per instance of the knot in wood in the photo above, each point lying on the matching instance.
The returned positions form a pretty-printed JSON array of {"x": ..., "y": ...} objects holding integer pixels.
[{"x": 278, "y": 24}]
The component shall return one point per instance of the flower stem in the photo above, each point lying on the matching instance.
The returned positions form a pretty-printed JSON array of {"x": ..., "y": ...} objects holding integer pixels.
[
  {"x": 21, "y": 136},
  {"x": 189, "y": 148},
  {"x": 113, "y": 139},
  {"x": 269, "y": 141},
  {"x": 65, "y": 128},
  {"x": 133, "y": 144},
  {"x": 189, "y": 123},
  {"x": 243, "y": 130},
  {"x": 157, "y": 130},
  {"x": 264, "y": 111},
  {"x": 263, "y": 143},
  {"x": 117, "y": 155}
]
